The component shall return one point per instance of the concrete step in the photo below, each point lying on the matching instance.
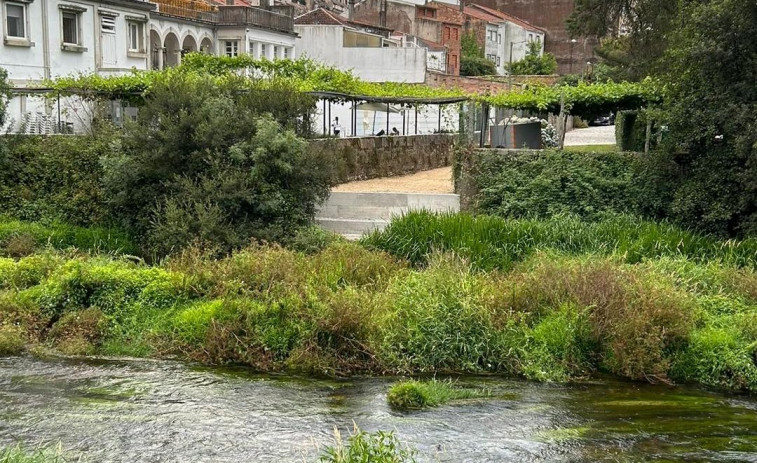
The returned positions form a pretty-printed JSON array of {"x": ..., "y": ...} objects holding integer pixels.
[
  {"x": 348, "y": 227},
  {"x": 353, "y": 214}
]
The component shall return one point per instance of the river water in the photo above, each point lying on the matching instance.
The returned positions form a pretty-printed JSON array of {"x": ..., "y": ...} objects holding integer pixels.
[{"x": 162, "y": 411}]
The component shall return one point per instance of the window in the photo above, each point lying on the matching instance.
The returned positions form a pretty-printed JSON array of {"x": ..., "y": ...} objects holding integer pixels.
[
  {"x": 498, "y": 62},
  {"x": 136, "y": 36},
  {"x": 286, "y": 53},
  {"x": 108, "y": 25},
  {"x": 455, "y": 32},
  {"x": 16, "y": 20},
  {"x": 263, "y": 51},
  {"x": 251, "y": 49},
  {"x": 446, "y": 33},
  {"x": 275, "y": 52},
  {"x": 499, "y": 38},
  {"x": 530, "y": 37},
  {"x": 232, "y": 48},
  {"x": 70, "y": 22}
]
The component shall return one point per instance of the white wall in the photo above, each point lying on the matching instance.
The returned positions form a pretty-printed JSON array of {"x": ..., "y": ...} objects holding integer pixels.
[
  {"x": 396, "y": 64},
  {"x": 42, "y": 55}
]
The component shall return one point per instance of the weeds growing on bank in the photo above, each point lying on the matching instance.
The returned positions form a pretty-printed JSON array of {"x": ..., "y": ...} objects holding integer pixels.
[
  {"x": 361, "y": 446},
  {"x": 552, "y": 315},
  {"x": 19, "y": 454}
]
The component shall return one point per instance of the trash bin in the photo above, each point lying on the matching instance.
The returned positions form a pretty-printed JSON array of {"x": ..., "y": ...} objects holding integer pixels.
[{"x": 516, "y": 135}]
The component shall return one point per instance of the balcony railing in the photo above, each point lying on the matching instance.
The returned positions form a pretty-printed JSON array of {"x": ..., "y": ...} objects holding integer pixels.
[
  {"x": 242, "y": 15},
  {"x": 189, "y": 9}
]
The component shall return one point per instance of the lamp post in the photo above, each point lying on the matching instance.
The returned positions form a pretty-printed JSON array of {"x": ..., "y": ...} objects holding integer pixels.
[
  {"x": 510, "y": 67},
  {"x": 572, "y": 42}
]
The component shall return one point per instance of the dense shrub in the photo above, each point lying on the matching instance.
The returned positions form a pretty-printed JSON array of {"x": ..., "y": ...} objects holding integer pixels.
[
  {"x": 220, "y": 171},
  {"x": 361, "y": 446},
  {"x": 54, "y": 177}
]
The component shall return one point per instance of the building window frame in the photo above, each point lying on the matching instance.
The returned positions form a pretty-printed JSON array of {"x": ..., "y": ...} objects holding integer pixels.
[
  {"x": 231, "y": 48},
  {"x": 17, "y": 40},
  {"x": 136, "y": 36},
  {"x": 71, "y": 39}
]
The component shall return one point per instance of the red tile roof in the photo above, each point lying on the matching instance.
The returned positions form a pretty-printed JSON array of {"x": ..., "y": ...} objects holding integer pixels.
[{"x": 507, "y": 17}]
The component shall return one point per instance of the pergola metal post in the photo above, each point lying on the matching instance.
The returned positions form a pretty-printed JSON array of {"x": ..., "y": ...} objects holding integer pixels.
[
  {"x": 324, "y": 117},
  {"x": 387, "y": 119},
  {"x": 416, "y": 118},
  {"x": 329, "y": 117},
  {"x": 60, "y": 128}
]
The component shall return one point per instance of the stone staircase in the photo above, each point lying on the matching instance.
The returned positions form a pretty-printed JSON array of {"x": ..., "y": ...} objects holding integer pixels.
[{"x": 354, "y": 214}]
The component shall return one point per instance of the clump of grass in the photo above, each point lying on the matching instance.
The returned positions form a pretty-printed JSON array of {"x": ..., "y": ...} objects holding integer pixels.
[
  {"x": 416, "y": 395},
  {"x": 12, "y": 340},
  {"x": 495, "y": 243},
  {"x": 18, "y": 239},
  {"x": 19, "y": 454},
  {"x": 361, "y": 446}
]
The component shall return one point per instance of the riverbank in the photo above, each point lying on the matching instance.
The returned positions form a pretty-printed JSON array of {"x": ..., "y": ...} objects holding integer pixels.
[{"x": 548, "y": 305}]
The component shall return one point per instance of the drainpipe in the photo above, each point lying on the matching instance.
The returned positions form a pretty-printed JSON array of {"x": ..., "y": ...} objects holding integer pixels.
[{"x": 45, "y": 40}]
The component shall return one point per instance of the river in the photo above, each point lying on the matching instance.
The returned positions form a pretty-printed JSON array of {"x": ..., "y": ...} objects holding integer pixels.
[{"x": 162, "y": 411}]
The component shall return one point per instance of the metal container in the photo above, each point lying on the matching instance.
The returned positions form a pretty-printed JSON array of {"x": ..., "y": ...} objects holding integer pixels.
[{"x": 516, "y": 135}]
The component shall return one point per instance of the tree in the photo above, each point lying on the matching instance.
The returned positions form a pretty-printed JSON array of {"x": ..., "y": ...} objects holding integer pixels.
[
  {"x": 633, "y": 34},
  {"x": 535, "y": 63},
  {"x": 711, "y": 110},
  {"x": 472, "y": 60}
]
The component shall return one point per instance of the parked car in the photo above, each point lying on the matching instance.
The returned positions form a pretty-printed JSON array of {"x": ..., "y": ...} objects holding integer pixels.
[{"x": 605, "y": 119}]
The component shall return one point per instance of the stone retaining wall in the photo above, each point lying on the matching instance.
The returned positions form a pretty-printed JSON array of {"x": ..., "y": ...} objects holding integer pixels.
[{"x": 373, "y": 157}]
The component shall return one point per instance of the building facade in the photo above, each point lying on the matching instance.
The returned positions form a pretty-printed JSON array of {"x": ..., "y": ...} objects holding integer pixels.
[{"x": 370, "y": 52}]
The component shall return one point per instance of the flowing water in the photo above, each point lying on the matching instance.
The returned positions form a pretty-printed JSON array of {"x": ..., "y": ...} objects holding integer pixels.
[{"x": 160, "y": 411}]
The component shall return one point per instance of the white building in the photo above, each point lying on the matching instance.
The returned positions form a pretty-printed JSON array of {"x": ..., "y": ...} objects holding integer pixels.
[
  {"x": 44, "y": 39},
  {"x": 348, "y": 45}
]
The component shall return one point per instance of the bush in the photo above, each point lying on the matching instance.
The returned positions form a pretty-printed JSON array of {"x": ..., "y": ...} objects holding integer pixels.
[
  {"x": 55, "y": 177},
  {"x": 221, "y": 170},
  {"x": 535, "y": 63}
]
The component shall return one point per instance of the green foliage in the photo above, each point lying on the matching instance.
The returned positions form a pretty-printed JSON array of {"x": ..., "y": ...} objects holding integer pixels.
[
  {"x": 477, "y": 66},
  {"x": 54, "y": 177},
  {"x": 12, "y": 342},
  {"x": 220, "y": 171},
  {"x": 361, "y": 446},
  {"x": 36, "y": 236},
  {"x": 495, "y": 243},
  {"x": 4, "y": 94},
  {"x": 416, "y": 395},
  {"x": 302, "y": 75},
  {"x": 634, "y": 33},
  {"x": 712, "y": 112},
  {"x": 535, "y": 63},
  {"x": 18, "y": 454}
]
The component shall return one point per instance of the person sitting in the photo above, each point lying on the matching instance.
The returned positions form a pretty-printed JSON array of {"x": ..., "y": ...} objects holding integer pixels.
[
  {"x": 381, "y": 133},
  {"x": 395, "y": 131}
]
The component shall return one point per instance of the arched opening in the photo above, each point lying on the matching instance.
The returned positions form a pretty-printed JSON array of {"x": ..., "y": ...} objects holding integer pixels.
[
  {"x": 189, "y": 45},
  {"x": 172, "y": 50},
  {"x": 206, "y": 46},
  {"x": 156, "y": 50}
]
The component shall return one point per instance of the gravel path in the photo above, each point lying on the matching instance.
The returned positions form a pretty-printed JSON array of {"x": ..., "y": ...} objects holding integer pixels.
[
  {"x": 602, "y": 135},
  {"x": 429, "y": 181}
]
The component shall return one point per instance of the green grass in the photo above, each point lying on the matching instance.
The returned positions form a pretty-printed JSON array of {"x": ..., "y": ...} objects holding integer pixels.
[
  {"x": 592, "y": 148},
  {"x": 546, "y": 300},
  {"x": 495, "y": 243},
  {"x": 19, "y": 454},
  {"x": 361, "y": 446},
  {"x": 19, "y": 238},
  {"x": 416, "y": 395}
]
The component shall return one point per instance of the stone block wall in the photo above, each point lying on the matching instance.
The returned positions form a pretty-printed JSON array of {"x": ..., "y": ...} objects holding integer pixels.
[{"x": 373, "y": 157}]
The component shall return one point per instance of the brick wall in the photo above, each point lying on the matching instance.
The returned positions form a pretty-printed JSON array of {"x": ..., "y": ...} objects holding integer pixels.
[
  {"x": 481, "y": 85},
  {"x": 374, "y": 157}
]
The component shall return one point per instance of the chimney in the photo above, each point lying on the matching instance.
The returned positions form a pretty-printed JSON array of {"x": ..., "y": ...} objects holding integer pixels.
[
  {"x": 462, "y": 5},
  {"x": 382, "y": 13},
  {"x": 351, "y": 10}
]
